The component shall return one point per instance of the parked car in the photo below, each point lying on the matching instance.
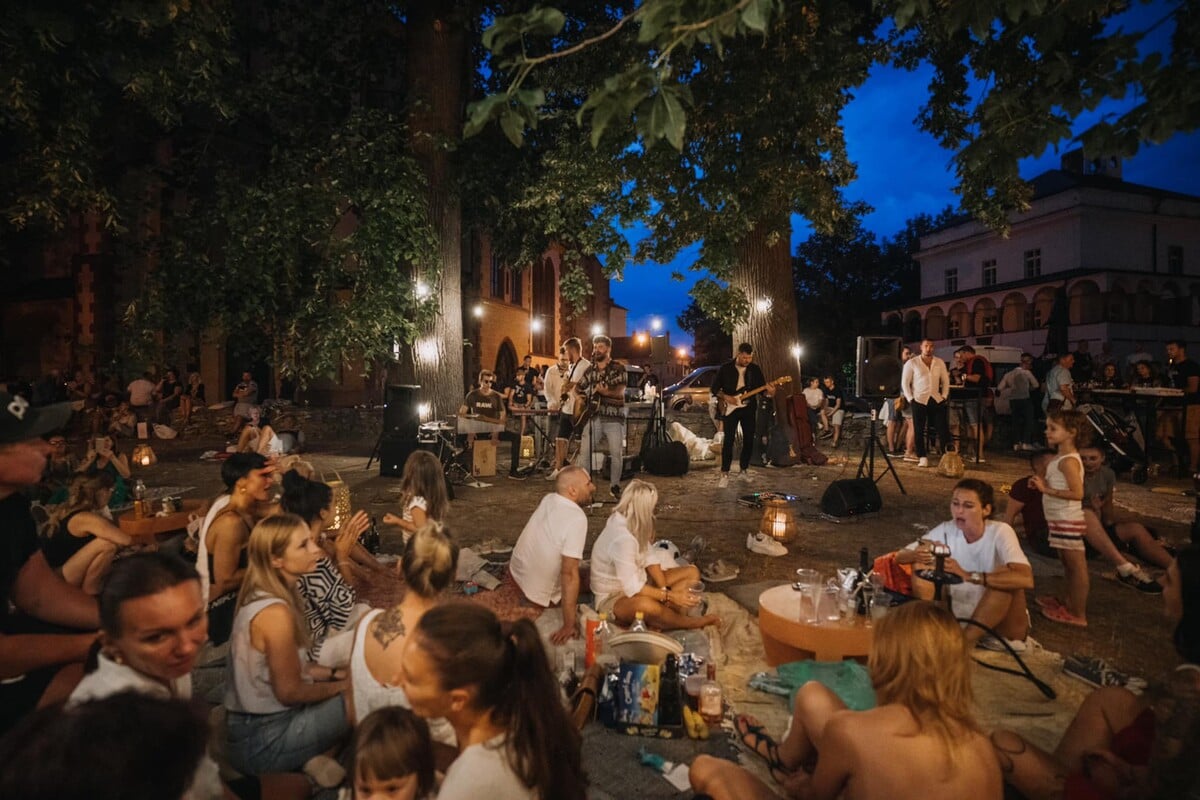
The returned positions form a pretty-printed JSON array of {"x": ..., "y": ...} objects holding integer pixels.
[
  {"x": 635, "y": 378},
  {"x": 691, "y": 392}
]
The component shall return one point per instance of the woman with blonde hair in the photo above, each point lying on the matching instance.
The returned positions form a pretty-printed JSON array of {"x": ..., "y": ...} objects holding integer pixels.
[
  {"x": 920, "y": 742},
  {"x": 626, "y": 577},
  {"x": 283, "y": 710},
  {"x": 429, "y": 564},
  {"x": 82, "y": 541}
]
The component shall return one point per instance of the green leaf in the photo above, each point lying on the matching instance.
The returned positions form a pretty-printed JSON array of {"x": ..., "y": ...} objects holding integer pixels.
[
  {"x": 667, "y": 119},
  {"x": 544, "y": 21},
  {"x": 754, "y": 16},
  {"x": 513, "y": 126}
]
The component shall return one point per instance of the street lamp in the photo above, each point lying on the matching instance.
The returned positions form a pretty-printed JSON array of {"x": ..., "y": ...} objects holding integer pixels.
[
  {"x": 655, "y": 324},
  {"x": 797, "y": 353},
  {"x": 597, "y": 329},
  {"x": 640, "y": 338},
  {"x": 422, "y": 290},
  {"x": 477, "y": 311},
  {"x": 535, "y": 325}
]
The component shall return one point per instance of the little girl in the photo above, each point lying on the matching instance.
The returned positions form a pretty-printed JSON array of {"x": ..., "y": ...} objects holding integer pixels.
[
  {"x": 422, "y": 494},
  {"x": 393, "y": 756},
  {"x": 1062, "y": 489}
]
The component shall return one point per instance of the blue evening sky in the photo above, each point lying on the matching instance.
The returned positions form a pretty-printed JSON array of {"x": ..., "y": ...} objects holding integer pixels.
[{"x": 901, "y": 172}]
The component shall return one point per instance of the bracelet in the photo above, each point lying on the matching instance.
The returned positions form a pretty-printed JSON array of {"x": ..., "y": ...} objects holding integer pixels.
[{"x": 666, "y": 593}]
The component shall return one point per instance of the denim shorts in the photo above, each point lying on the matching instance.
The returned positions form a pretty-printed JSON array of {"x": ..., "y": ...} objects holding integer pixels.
[{"x": 282, "y": 742}]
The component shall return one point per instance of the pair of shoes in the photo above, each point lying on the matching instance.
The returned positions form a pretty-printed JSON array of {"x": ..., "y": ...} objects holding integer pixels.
[
  {"x": 911, "y": 457},
  {"x": 754, "y": 737},
  {"x": 492, "y": 546},
  {"x": 764, "y": 545},
  {"x": 724, "y": 482},
  {"x": 694, "y": 549},
  {"x": 516, "y": 476},
  {"x": 1140, "y": 581},
  {"x": 1097, "y": 672},
  {"x": 923, "y": 462},
  {"x": 553, "y": 474},
  {"x": 720, "y": 571},
  {"x": 615, "y": 490},
  {"x": 1061, "y": 614},
  {"x": 990, "y": 642}
]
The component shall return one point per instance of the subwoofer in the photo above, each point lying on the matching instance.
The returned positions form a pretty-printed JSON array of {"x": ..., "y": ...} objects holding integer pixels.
[
  {"x": 850, "y": 497},
  {"x": 401, "y": 415},
  {"x": 879, "y": 367}
]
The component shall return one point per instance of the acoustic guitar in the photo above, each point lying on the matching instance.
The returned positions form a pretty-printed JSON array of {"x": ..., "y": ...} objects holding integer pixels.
[{"x": 727, "y": 407}]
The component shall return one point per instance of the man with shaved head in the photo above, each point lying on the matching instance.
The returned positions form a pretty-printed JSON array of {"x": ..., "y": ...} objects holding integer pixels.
[{"x": 545, "y": 562}]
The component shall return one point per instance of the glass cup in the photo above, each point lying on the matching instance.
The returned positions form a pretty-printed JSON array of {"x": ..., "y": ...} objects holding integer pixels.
[
  {"x": 696, "y": 590},
  {"x": 830, "y": 610},
  {"x": 809, "y": 583}
]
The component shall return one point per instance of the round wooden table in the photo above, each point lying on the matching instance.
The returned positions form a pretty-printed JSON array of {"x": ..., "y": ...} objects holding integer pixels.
[{"x": 785, "y": 638}]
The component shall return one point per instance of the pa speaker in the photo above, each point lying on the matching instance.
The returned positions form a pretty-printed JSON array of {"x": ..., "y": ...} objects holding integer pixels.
[
  {"x": 879, "y": 366},
  {"x": 401, "y": 416},
  {"x": 393, "y": 452},
  {"x": 850, "y": 497}
]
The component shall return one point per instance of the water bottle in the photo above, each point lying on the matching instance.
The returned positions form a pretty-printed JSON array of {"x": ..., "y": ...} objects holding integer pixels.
[
  {"x": 639, "y": 623},
  {"x": 603, "y": 654}
]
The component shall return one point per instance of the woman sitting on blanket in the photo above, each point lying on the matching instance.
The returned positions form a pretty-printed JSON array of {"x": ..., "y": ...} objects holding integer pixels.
[
  {"x": 920, "y": 742},
  {"x": 1121, "y": 744},
  {"x": 627, "y": 579}
]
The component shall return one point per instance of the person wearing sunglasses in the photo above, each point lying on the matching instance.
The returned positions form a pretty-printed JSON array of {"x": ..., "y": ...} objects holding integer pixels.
[{"x": 487, "y": 405}]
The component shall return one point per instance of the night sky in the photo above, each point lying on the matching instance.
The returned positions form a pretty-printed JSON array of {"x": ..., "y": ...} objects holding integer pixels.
[{"x": 901, "y": 173}]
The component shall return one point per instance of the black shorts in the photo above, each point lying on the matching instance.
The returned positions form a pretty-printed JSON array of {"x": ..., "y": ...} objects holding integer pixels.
[{"x": 566, "y": 425}]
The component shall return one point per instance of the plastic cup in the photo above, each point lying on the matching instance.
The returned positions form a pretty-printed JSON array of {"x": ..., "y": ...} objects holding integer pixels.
[
  {"x": 696, "y": 590},
  {"x": 809, "y": 582},
  {"x": 830, "y": 612}
]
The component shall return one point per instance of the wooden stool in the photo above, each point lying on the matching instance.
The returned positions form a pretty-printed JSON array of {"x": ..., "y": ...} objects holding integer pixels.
[{"x": 785, "y": 638}]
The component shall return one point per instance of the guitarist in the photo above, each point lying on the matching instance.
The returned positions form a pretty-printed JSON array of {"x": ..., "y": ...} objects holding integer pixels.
[
  {"x": 734, "y": 378},
  {"x": 577, "y": 367},
  {"x": 604, "y": 386}
]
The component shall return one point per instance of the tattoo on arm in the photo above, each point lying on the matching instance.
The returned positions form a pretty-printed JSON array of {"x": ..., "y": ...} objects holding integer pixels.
[{"x": 389, "y": 626}]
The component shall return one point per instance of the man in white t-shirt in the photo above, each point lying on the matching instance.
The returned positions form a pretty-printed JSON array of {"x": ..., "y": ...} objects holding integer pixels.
[
  {"x": 545, "y": 562},
  {"x": 141, "y": 395},
  {"x": 577, "y": 367}
]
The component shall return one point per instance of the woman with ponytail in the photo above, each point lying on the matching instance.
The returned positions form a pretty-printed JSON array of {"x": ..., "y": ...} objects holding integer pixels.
[{"x": 495, "y": 688}]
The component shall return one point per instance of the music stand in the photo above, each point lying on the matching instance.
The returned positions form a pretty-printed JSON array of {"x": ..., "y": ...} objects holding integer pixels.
[{"x": 867, "y": 463}]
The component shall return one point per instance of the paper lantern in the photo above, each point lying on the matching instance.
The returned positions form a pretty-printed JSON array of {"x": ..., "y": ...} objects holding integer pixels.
[
  {"x": 778, "y": 521},
  {"x": 143, "y": 455},
  {"x": 341, "y": 502}
]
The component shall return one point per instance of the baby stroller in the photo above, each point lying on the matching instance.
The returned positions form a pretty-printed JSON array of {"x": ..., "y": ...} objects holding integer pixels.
[{"x": 1120, "y": 437}]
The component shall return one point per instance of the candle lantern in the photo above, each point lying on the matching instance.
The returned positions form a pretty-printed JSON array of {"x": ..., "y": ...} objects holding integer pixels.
[
  {"x": 143, "y": 455},
  {"x": 341, "y": 501},
  {"x": 778, "y": 521}
]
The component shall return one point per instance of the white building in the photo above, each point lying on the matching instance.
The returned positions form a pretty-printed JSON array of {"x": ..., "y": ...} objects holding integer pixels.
[{"x": 1128, "y": 257}]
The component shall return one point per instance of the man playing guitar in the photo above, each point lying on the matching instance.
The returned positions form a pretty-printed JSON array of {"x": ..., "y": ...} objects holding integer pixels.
[
  {"x": 577, "y": 365},
  {"x": 734, "y": 379},
  {"x": 604, "y": 388},
  {"x": 487, "y": 405}
]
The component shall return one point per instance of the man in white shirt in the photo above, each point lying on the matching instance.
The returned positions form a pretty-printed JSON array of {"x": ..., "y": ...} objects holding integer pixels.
[
  {"x": 925, "y": 385},
  {"x": 1060, "y": 389},
  {"x": 545, "y": 562},
  {"x": 141, "y": 395},
  {"x": 577, "y": 367}
]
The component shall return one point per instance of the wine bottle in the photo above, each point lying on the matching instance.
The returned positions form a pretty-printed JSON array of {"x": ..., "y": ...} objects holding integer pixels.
[{"x": 861, "y": 584}]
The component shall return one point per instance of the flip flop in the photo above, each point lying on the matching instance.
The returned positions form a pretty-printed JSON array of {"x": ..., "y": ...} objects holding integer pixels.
[
  {"x": 1061, "y": 614},
  {"x": 753, "y": 736},
  {"x": 1049, "y": 601},
  {"x": 720, "y": 571}
]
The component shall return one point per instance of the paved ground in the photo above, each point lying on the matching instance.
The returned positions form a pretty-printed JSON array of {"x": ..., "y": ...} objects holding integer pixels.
[{"x": 1125, "y": 627}]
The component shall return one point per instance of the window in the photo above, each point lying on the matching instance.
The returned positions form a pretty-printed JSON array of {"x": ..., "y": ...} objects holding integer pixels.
[
  {"x": 518, "y": 286},
  {"x": 1033, "y": 263},
  {"x": 989, "y": 272},
  {"x": 1174, "y": 259},
  {"x": 497, "y": 278},
  {"x": 990, "y": 322},
  {"x": 951, "y": 281},
  {"x": 954, "y": 329}
]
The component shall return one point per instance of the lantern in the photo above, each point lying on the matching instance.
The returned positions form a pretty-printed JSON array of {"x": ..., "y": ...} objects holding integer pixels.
[
  {"x": 527, "y": 450},
  {"x": 341, "y": 502},
  {"x": 143, "y": 455},
  {"x": 777, "y": 521}
]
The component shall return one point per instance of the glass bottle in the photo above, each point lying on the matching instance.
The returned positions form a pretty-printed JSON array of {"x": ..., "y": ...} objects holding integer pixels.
[
  {"x": 712, "y": 699},
  {"x": 670, "y": 701},
  {"x": 861, "y": 585},
  {"x": 639, "y": 623},
  {"x": 139, "y": 498},
  {"x": 604, "y": 655}
]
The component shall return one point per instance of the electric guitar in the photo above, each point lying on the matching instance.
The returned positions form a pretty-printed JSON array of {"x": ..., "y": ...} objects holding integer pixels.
[{"x": 727, "y": 404}]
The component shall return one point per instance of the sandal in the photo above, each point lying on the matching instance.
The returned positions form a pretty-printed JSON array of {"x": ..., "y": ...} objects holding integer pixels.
[
  {"x": 1049, "y": 601},
  {"x": 753, "y": 736},
  {"x": 1061, "y": 614},
  {"x": 720, "y": 571}
]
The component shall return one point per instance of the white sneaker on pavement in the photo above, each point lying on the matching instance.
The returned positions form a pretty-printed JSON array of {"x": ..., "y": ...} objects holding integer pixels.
[
  {"x": 923, "y": 462},
  {"x": 553, "y": 474},
  {"x": 724, "y": 482},
  {"x": 764, "y": 545}
]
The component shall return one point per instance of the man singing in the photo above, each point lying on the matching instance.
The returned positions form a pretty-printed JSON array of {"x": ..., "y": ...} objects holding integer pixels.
[
  {"x": 577, "y": 366},
  {"x": 733, "y": 379},
  {"x": 606, "y": 379}
]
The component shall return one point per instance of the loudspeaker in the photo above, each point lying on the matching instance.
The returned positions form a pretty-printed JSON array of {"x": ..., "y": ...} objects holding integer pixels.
[
  {"x": 879, "y": 367},
  {"x": 850, "y": 497},
  {"x": 401, "y": 416},
  {"x": 393, "y": 452},
  {"x": 669, "y": 459}
]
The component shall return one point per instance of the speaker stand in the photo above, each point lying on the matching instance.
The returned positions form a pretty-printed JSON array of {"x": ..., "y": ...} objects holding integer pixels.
[
  {"x": 375, "y": 450},
  {"x": 866, "y": 466}
]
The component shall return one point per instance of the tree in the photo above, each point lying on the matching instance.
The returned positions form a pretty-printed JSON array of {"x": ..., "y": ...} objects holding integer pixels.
[{"x": 711, "y": 344}]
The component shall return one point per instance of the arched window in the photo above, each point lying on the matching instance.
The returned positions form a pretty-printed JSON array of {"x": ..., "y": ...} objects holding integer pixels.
[
  {"x": 1086, "y": 303},
  {"x": 986, "y": 318},
  {"x": 935, "y": 324},
  {"x": 1014, "y": 313}
]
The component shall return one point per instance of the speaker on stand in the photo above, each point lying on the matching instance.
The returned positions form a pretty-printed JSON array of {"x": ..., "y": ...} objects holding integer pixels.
[
  {"x": 878, "y": 366},
  {"x": 401, "y": 427}
]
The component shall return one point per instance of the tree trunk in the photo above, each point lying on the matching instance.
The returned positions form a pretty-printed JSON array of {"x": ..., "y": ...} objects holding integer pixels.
[
  {"x": 436, "y": 83},
  {"x": 764, "y": 272}
]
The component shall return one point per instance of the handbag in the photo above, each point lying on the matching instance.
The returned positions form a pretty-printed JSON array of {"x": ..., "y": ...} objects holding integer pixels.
[{"x": 951, "y": 465}]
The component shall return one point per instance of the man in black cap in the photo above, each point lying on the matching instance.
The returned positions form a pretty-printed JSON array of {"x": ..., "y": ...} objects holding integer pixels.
[{"x": 42, "y": 644}]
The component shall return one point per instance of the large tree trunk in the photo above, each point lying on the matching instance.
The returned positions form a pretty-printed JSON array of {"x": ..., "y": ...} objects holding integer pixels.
[
  {"x": 764, "y": 272},
  {"x": 436, "y": 82}
]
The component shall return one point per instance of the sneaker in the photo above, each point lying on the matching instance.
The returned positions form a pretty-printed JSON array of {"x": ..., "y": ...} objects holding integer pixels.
[
  {"x": 911, "y": 457},
  {"x": 1097, "y": 672},
  {"x": 990, "y": 642},
  {"x": 764, "y": 545},
  {"x": 724, "y": 482},
  {"x": 516, "y": 476},
  {"x": 827, "y": 434},
  {"x": 615, "y": 490},
  {"x": 745, "y": 474},
  {"x": 553, "y": 474},
  {"x": 1140, "y": 581},
  {"x": 324, "y": 771},
  {"x": 923, "y": 462}
]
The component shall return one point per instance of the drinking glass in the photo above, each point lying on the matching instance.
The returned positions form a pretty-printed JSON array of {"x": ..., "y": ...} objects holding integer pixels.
[
  {"x": 809, "y": 582},
  {"x": 696, "y": 590},
  {"x": 830, "y": 610}
]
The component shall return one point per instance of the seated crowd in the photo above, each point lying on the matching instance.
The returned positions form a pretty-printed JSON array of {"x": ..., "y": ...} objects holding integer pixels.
[{"x": 431, "y": 687}]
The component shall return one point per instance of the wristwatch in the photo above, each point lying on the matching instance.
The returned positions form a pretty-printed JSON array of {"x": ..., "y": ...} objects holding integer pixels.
[{"x": 976, "y": 577}]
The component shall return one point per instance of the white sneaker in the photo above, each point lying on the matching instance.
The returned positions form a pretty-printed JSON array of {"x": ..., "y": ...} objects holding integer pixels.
[
  {"x": 764, "y": 545},
  {"x": 737, "y": 469},
  {"x": 990, "y": 642},
  {"x": 718, "y": 437},
  {"x": 910, "y": 457},
  {"x": 923, "y": 462},
  {"x": 724, "y": 482},
  {"x": 553, "y": 474}
]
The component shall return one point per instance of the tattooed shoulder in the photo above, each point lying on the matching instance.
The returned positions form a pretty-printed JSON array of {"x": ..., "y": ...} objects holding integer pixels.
[{"x": 389, "y": 626}]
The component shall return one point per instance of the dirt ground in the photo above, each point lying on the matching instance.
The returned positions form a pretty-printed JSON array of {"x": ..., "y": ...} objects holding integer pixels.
[{"x": 1125, "y": 627}]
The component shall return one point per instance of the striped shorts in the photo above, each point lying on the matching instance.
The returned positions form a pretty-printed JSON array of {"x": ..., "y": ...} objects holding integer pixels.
[{"x": 1067, "y": 534}]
